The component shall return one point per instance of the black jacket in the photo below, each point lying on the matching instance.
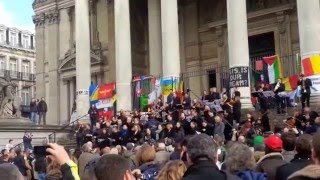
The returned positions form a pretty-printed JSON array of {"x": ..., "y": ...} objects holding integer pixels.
[
  {"x": 205, "y": 170},
  {"x": 307, "y": 85},
  {"x": 42, "y": 106},
  {"x": 283, "y": 172}
]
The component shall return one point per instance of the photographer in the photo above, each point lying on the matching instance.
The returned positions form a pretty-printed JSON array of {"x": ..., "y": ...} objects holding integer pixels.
[{"x": 27, "y": 138}]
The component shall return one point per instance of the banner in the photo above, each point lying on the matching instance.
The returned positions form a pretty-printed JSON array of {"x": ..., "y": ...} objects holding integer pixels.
[
  {"x": 106, "y": 103},
  {"x": 315, "y": 79},
  {"x": 93, "y": 93},
  {"x": 239, "y": 76},
  {"x": 106, "y": 91},
  {"x": 168, "y": 84}
]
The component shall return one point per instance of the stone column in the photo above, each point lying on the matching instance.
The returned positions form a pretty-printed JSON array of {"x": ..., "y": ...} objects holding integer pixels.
[
  {"x": 309, "y": 27},
  {"x": 154, "y": 20},
  {"x": 170, "y": 38},
  {"x": 64, "y": 31},
  {"x": 309, "y": 34},
  {"x": 123, "y": 54},
  {"x": 52, "y": 56},
  {"x": 238, "y": 44},
  {"x": 83, "y": 65},
  {"x": 39, "y": 21}
]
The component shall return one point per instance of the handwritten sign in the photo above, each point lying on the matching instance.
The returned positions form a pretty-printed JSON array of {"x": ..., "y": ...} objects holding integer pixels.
[{"x": 239, "y": 77}]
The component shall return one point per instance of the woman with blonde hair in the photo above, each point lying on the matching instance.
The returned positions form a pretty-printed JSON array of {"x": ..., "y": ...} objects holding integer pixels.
[{"x": 172, "y": 170}]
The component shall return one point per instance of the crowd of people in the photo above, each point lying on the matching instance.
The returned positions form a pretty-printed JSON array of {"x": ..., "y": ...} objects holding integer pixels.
[
  {"x": 38, "y": 111},
  {"x": 181, "y": 139}
]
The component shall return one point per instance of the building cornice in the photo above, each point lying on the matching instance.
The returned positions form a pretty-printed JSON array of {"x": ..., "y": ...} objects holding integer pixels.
[{"x": 250, "y": 15}]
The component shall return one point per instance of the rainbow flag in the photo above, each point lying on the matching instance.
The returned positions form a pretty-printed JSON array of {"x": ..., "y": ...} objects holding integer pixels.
[
  {"x": 93, "y": 93},
  {"x": 167, "y": 85},
  {"x": 291, "y": 83},
  {"x": 274, "y": 68},
  {"x": 311, "y": 65}
]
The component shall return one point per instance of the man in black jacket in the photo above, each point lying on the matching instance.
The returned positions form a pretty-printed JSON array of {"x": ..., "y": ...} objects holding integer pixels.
[
  {"x": 300, "y": 160},
  {"x": 305, "y": 84},
  {"x": 202, "y": 154},
  {"x": 279, "y": 99},
  {"x": 42, "y": 109}
]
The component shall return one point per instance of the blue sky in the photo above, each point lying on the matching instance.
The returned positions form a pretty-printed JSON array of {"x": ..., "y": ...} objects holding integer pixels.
[{"x": 17, "y": 13}]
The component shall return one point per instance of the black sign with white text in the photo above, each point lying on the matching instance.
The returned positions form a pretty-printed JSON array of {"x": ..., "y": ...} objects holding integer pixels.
[{"x": 239, "y": 77}]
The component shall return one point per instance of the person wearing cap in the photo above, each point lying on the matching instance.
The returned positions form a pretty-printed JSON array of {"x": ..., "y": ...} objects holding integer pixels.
[
  {"x": 305, "y": 85},
  {"x": 273, "y": 159}
]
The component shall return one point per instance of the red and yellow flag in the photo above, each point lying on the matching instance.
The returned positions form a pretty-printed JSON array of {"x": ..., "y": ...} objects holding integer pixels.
[{"x": 311, "y": 65}]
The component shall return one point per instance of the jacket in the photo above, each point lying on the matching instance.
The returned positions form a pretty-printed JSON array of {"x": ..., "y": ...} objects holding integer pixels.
[
  {"x": 288, "y": 156},
  {"x": 42, "y": 106},
  {"x": 83, "y": 160},
  {"x": 307, "y": 84},
  {"x": 219, "y": 129},
  {"x": 205, "y": 170},
  {"x": 252, "y": 175},
  {"x": 33, "y": 107},
  {"x": 69, "y": 171},
  {"x": 307, "y": 173},
  {"x": 297, "y": 163},
  {"x": 269, "y": 163}
]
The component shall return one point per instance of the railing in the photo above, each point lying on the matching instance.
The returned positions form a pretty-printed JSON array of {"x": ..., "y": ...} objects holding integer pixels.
[
  {"x": 16, "y": 75},
  {"x": 53, "y": 135}
]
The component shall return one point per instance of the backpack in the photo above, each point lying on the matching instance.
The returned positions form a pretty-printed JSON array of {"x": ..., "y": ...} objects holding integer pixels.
[{"x": 150, "y": 173}]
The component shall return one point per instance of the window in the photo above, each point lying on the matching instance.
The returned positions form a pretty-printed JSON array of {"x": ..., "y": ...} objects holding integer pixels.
[
  {"x": 2, "y": 65},
  {"x": 25, "y": 41},
  {"x": 25, "y": 69},
  {"x": 13, "y": 39},
  {"x": 13, "y": 67},
  {"x": 25, "y": 96},
  {"x": 2, "y": 36}
]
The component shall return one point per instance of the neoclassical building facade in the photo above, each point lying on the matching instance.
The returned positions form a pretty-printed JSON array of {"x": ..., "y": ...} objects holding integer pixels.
[
  {"x": 196, "y": 39},
  {"x": 17, "y": 61}
]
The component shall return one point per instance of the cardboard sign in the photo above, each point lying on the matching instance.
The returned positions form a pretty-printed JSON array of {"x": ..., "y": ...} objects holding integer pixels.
[{"x": 239, "y": 77}]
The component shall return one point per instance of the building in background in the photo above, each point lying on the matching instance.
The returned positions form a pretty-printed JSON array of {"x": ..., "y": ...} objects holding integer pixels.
[
  {"x": 187, "y": 36},
  {"x": 17, "y": 61}
]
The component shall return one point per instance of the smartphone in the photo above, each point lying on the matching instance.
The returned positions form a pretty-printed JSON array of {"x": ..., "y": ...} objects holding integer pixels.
[{"x": 40, "y": 150}]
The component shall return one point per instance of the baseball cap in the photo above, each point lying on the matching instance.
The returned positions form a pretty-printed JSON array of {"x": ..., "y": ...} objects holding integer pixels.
[{"x": 273, "y": 142}]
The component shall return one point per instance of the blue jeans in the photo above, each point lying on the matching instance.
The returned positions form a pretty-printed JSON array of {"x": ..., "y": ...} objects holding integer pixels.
[
  {"x": 33, "y": 117},
  {"x": 41, "y": 176}
]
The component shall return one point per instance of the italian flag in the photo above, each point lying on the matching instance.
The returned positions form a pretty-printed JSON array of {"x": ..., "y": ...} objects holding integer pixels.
[
  {"x": 311, "y": 65},
  {"x": 274, "y": 68}
]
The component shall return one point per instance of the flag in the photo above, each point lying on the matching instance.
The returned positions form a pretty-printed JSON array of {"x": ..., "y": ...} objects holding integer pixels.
[
  {"x": 292, "y": 96},
  {"x": 259, "y": 65},
  {"x": 93, "y": 93},
  {"x": 167, "y": 85},
  {"x": 274, "y": 68},
  {"x": 106, "y": 91},
  {"x": 157, "y": 87},
  {"x": 152, "y": 97},
  {"x": 180, "y": 90},
  {"x": 311, "y": 65},
  {"x": 291, "y": 83},
  {"x": 298, "y": 58},
  {"x": 144, "y": 101}
]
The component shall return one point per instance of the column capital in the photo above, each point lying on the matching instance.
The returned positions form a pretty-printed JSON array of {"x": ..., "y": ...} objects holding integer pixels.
[
  {"x": 39, "y": 20},
  {"x": 220, "y": 35},
  {"x": 282, "y": 22},
  {"x": 52, "y": 17}
]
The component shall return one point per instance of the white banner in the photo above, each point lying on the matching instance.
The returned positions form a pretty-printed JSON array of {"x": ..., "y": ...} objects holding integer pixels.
[
  {"x": 315, "y": 79},
  {"x": 105, "y": 103}
]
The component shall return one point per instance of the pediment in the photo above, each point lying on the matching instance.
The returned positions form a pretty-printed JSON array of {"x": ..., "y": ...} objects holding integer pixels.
[{"x": 69, "y": 60}]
